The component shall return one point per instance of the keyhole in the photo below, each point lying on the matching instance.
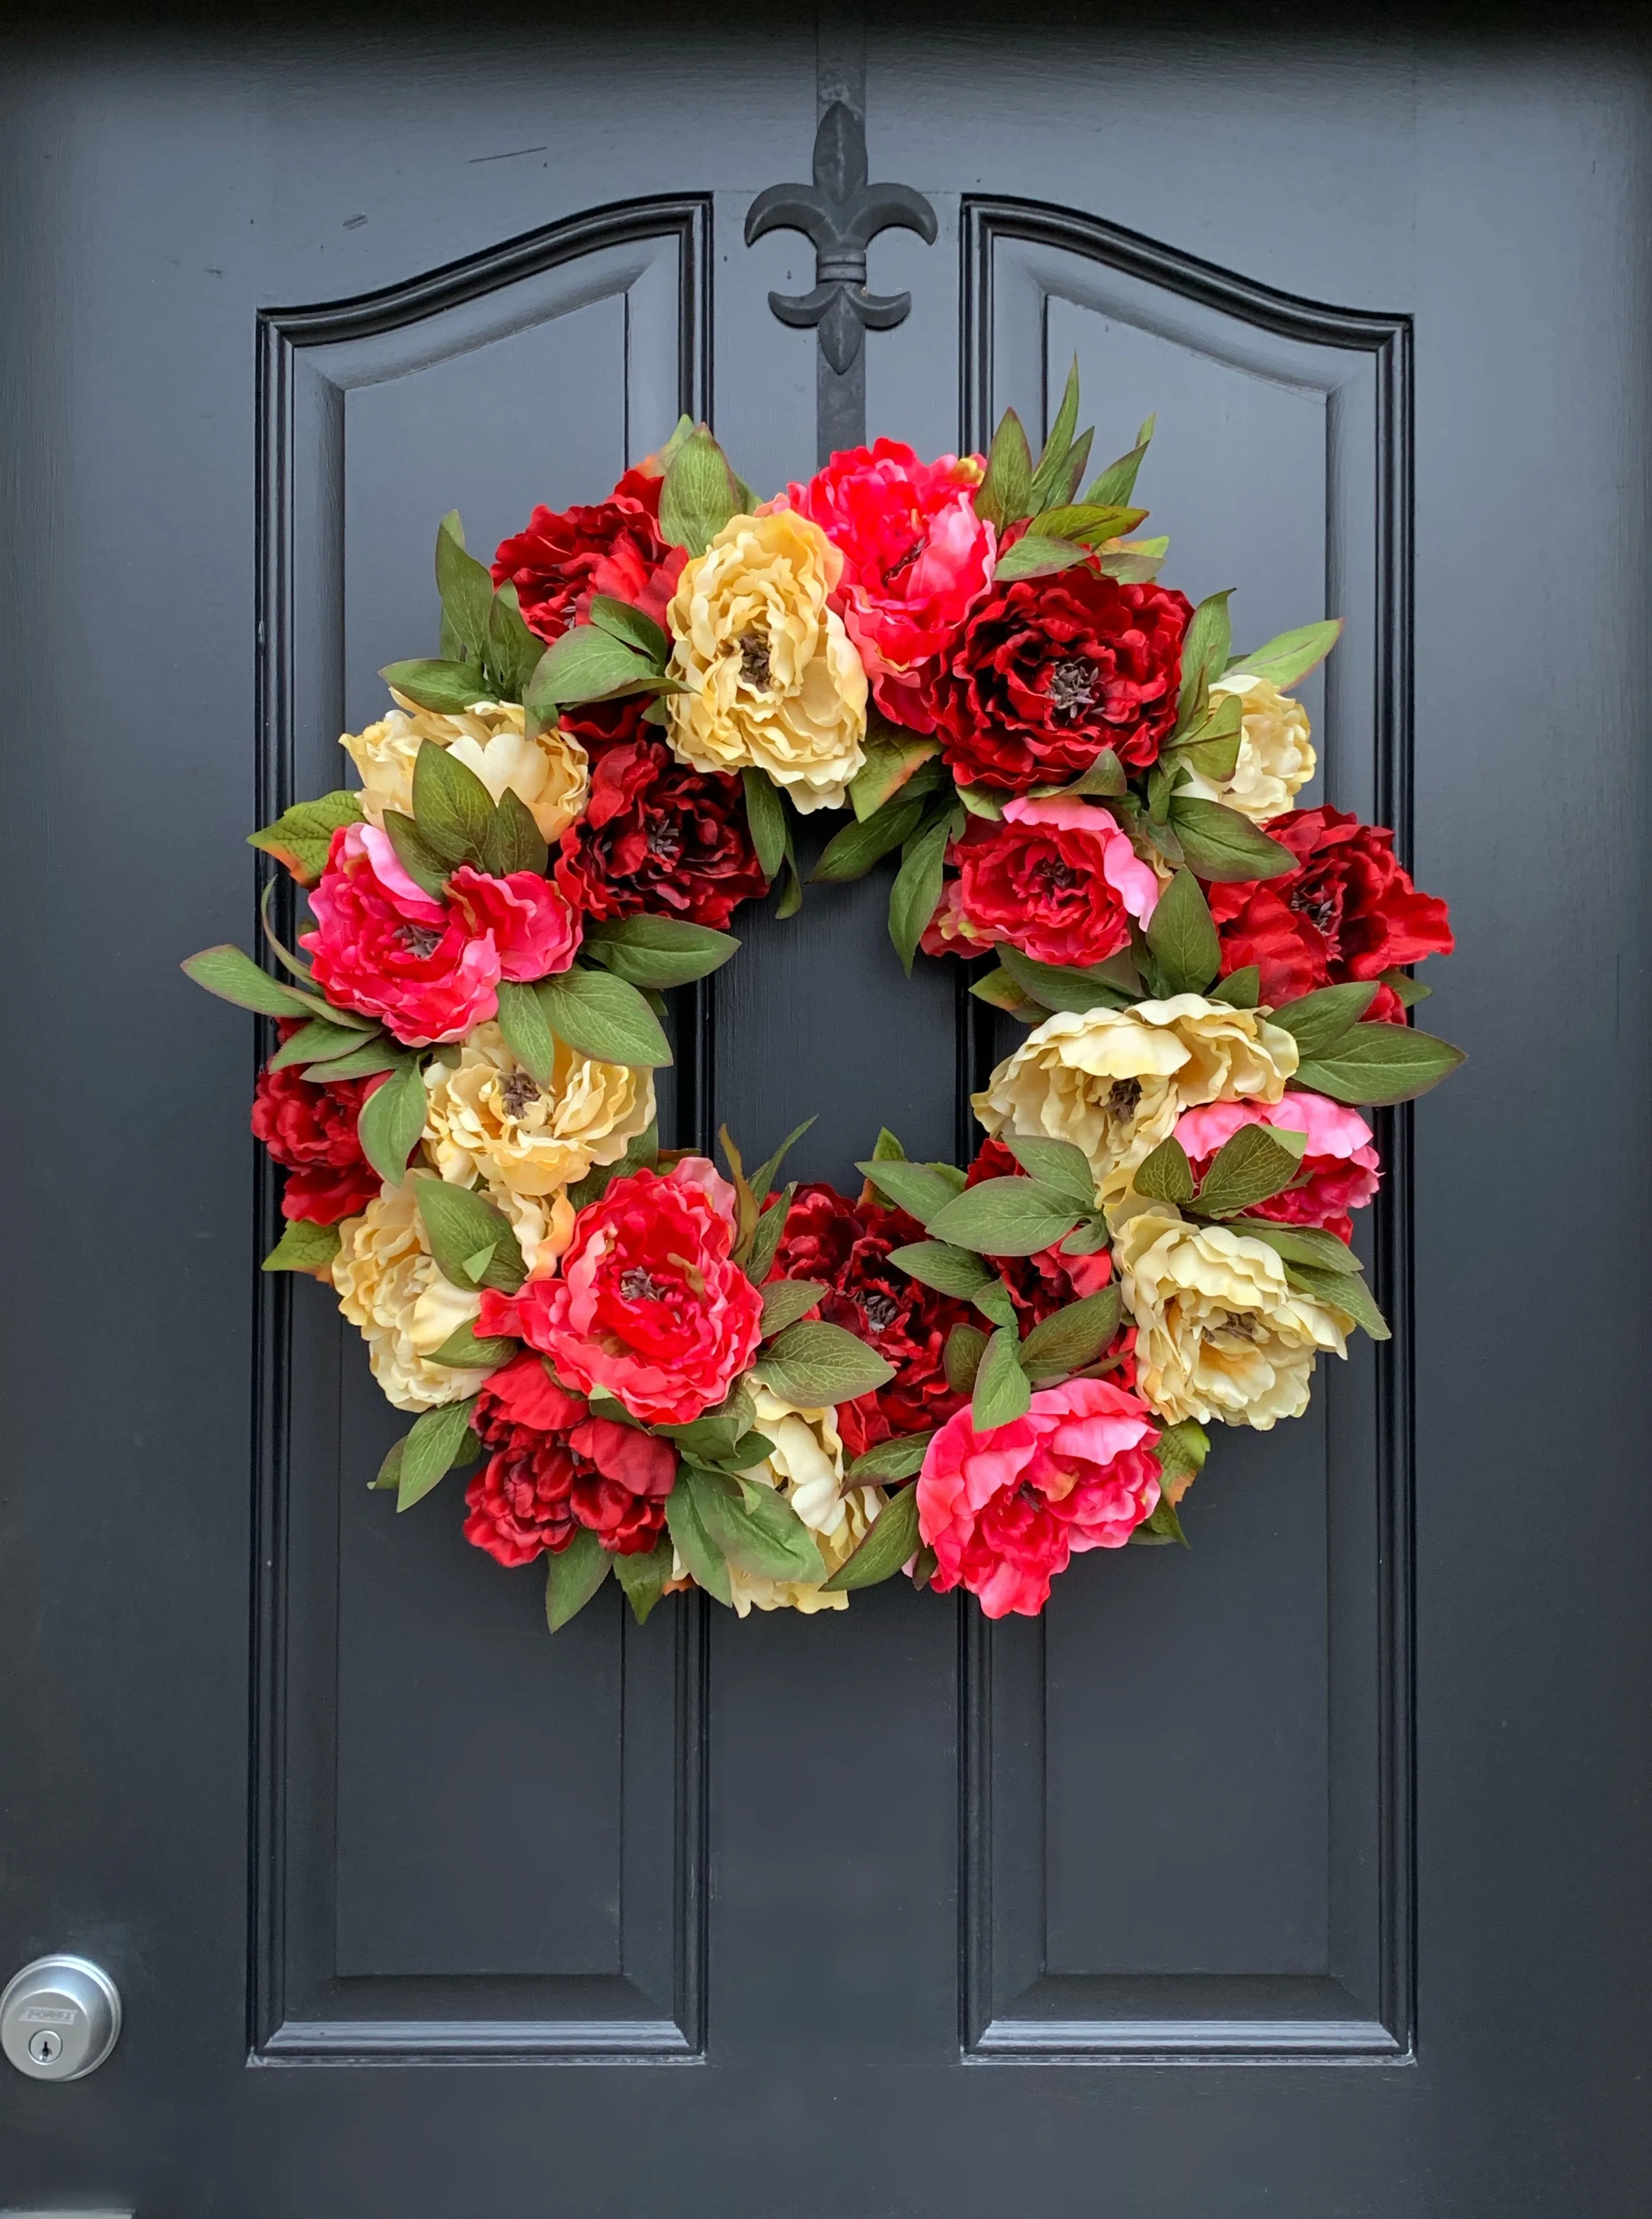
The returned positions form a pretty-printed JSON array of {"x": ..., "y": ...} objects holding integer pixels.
[{"x": 45, "y": 2046}]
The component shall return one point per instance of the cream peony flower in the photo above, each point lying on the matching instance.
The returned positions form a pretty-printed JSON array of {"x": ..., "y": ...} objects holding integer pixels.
[
  {"x": 773, "y": 678},
  {"x": 1219, "y": 1332},
  {"x": 549, "y": 774},
  {"x": 1276, "y": 755},
  {"x": 542, "y": 1223},
  {"x": 488, "y": 1118},
  {"x": 1114, "y": 1082},
  {"x": 389, "y": 1286}
]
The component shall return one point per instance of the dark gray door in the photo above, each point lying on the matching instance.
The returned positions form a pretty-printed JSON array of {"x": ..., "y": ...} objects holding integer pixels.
[{"x": 1302, "y": 1874}]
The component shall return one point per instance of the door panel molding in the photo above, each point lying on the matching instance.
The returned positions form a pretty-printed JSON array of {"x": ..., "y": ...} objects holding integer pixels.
[
  {"x": 316, "y": 1991},
  {"x": 1025, "y": 1991}
]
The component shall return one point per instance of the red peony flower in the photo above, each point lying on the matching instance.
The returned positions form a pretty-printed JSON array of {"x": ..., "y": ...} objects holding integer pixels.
[
  {"x": 521, "y": 1501},
  {"x": 1006, "y": 1510},
  {"x": 916, "y": 558},
  {"x": 561, "y": 560},
  {"x": 620, "y": 1494},
  {"x": 1051, "y": 670},
  {"x": 846, "y": 1244},
  {"x": 384, "y": 947},
  {"x": 1347, "y": 912},
  {"x": 1340, "y": 1166},
  {"x": 1057, "y": 879},
  {"x": 657, "y": 836},
  {"x": 556, "y": 1468},
  {"x": 524, "y": 1398},
  {"x": 311, "y": 1131},
  {"x": 648, "y": 1306},
  {"x": 533, "y": 926}
]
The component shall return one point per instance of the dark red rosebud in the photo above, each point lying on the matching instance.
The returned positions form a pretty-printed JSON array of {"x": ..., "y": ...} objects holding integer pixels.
[{"x": 311, "y": 1131}]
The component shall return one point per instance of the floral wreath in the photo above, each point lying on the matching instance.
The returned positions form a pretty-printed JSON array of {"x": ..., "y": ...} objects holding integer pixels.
[{"x": 778, "y": 1393}]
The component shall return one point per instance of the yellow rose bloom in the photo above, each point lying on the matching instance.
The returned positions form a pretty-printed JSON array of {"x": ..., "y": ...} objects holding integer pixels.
[
  {"x": 1275, "y": 755},
  {"x": 1220, "y": 1334},
  {"x": 488, "y": 1118},
  {"x": 1114, "y": 1082},
  {"x": 549, "y": 774},
  {"x": 772, "y": 678},
  {"x": 388, "y": 1287}
]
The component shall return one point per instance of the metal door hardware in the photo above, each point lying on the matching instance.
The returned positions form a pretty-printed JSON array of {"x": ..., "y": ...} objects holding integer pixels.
[{"x": 59, "y": 2019}]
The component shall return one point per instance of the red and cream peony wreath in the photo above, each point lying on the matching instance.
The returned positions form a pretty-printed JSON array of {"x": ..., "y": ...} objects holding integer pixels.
[{"x": 696, "y": 1377}]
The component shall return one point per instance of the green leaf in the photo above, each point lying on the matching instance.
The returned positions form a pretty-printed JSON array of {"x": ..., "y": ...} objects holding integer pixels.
[
  {"x": 514, "y": 841},
  {"x": 1033, "y": 556},
  {"x": 379, "y": 1054},
  {"x": 1134, "y": 562},
  {"x": 389, "y": 1472},
  {"x": 966, "y": 1345},
  {"x": 1005, "y": 494},
  {"x": 1182, "y": 1450},
  {"x": 391, "y": 1119},
  {"x": 1049, "y": 478},
  {"x": 1340, "y": 1290},
  {"x": 1303, "y": 1243},
  {"x": 888, "y": 1542},
  {"x": 703, "y": 1560},
  {"x": 467, "y": 593},
  {"x": 699, "y": 493},
  {"x": 300, "y": 835},
  {"x": 513, "y": 650},
  {"x": 850, "y": 853},
  {"x": 1071, "y": 1337},
  {"x": 754, "y": 1526},
  {"x": 318, "y": 1041},
  {"x": 1004, "y": 1218},
  {"x": 527, "y": 1031},
  {"x": 765, "y": 819},
  {"x": 602, "y": 1016},
  {"x": 713, "y": 1436},
  {"x": 1165, "y": 1523},
  {"x": 1290, "y": 656},
  {"x": 633, "y": 625},
  {"x": 979, "y": 802},
  {"x": 453, "y": 810},
  {"x": 643, "y": 1577},
  {"x": 587, "y": 664},
  {"x": 439, "y": 1439},
  {"x": 466, "y": 1352},
  {"x": 1166, "y": 1175},
  {"x": 1088, "y": 1238},
  {"x": 1240, "y": 990},
  {"x": 886, "y": 1149},
  {"x": 450, "y": 688},
  {"x": 461, "y": 1224},
  {"x": 916, "y": 894},
  {"x": 1056, "y": 1165},
  {"x": 1204, "y": 655},
  {"x": 1002, "y": 1390},
  {"x": 918, "y": 1189},
  {"x": 1320, "y": 1020},
  {"x": 1182, "y": 937},
  {"x": 303, "y": 1247},
  {"x": 766, "y": 1240},
  {"x": 662, "y": 952},
  {"x": 814, "y": 1364},
  {"x": 1222, "y": 846},
  {"x": 1374, "y": 1065},
  {"x": 1410, "y": 991},
  {"x": 899, "y": 1457},
  {"x": 573, "y": 1576},
  {"x": 235, "y": 976},
  {"x": 1249, "y": 1167},
  {"x": 993, "y": 1300},
  {"x": 784, "y": 1301},
  {"x": 1089, "y": 522},
  {"x": 999, "y": 990},
  {"x": 953, "y": 1270},
  {"x": 1105, "y": 776},
  {"x": 427, "y": 870},
  {"x": 1118, "y": 481},
  {"x": 1058, "y": 986},
  {"x": 763, "y": 1178},
  {"x": 892, "y": 759}
]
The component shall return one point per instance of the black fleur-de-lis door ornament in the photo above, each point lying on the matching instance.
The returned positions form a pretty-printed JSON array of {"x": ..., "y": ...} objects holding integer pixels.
[{"x": 841, "y": 213}]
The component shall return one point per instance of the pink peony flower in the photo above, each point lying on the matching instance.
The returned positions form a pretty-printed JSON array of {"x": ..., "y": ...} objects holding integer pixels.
[
  {"x": 1340, "y": 1165},
  {"x": 647, "y": 1305},
  {"x": 1057, "y": 879},
  {"x": 916, "y": 558},
  {"x": 1004, "y": 1511},
  {"x": 534, "y": 925},
  {"x": 384, "y": 947}
]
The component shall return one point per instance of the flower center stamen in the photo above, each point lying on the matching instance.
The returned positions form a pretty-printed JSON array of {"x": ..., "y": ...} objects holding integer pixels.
[
  {"x": 519, "y": 1092},
  {"x": 879, "y": 1310},
  {"x": 754, "y": 660},
  {"x": 1073, "y": 683},
  {"x": 903, "y": 562},
  {"x": 636, "y": 1286},
  {"x": 1124, "y": 1097},
  {"x": 422, "y": 940}
]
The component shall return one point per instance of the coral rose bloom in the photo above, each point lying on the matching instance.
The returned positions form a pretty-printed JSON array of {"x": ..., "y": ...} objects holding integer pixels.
[
  {"x": 1058, "y": 879},
  {"x": 1006, "y": 1510},
  {"x": 916, "y": 558},
  {"x": 1340, "y": 1166},
  {"x": 648, "y": 1306}
]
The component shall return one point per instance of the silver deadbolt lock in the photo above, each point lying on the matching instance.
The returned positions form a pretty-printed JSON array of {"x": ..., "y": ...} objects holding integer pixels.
[{"x": 59, "y": 2019}]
